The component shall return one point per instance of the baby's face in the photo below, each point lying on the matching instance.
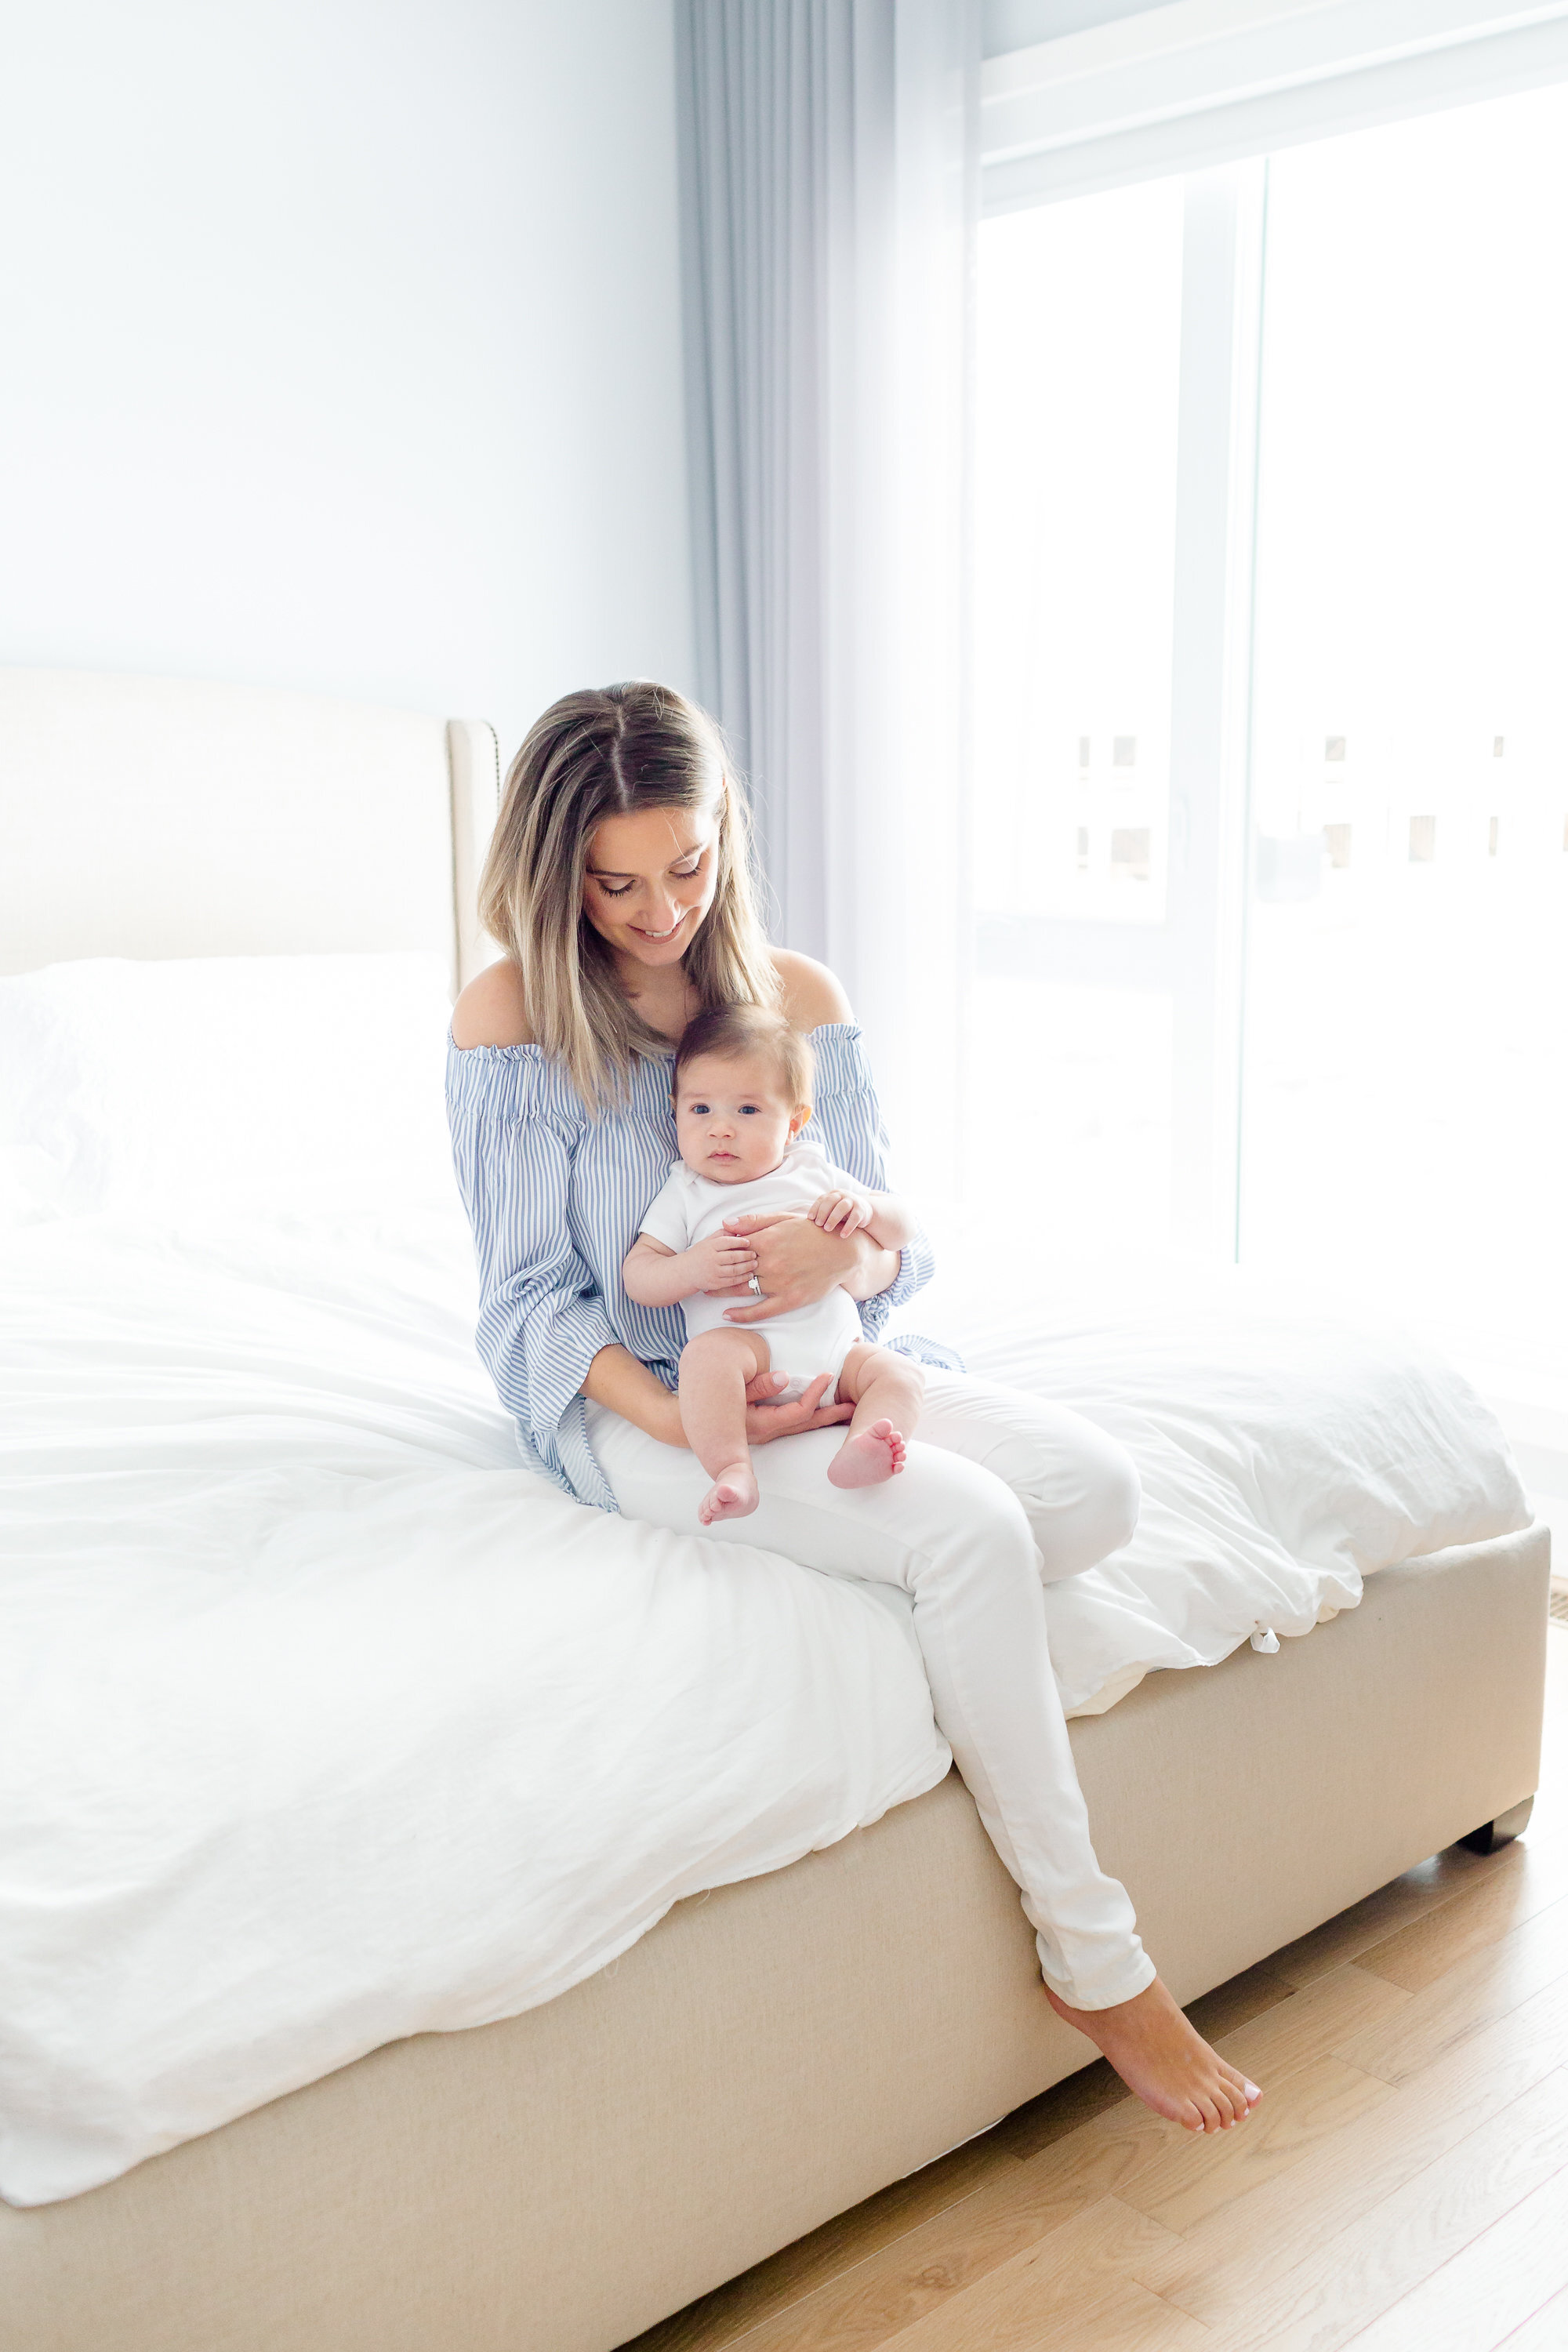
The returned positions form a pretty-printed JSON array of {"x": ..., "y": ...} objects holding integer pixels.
[{"x": 731, "y": 1120}]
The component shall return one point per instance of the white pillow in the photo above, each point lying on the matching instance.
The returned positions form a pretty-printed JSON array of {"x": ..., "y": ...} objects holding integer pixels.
[{"x": 254, "y": 1082}]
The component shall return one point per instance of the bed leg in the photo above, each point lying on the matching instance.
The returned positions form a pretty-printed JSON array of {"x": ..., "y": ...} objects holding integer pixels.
[{"x": 1492, "y": 1834}]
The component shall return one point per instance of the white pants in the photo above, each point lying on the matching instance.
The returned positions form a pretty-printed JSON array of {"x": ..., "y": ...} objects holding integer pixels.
[{"x": 1000, "y": 1491}]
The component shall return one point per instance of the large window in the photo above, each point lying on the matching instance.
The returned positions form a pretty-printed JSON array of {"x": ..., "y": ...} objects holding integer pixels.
[{"x": 1271, "y": 883}]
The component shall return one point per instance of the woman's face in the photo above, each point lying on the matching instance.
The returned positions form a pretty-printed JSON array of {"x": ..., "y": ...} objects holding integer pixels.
[{"x": 650, "y": 881}]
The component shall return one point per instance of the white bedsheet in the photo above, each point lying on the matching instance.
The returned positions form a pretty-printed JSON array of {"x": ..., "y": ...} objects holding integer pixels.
[
  {"x": 1286, "y": 1451},
  {"x": 322, "y": 1722}
]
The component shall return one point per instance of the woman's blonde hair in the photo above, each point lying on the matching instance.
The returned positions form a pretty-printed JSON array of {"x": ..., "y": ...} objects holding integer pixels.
[{"x": 611, "y": 752}]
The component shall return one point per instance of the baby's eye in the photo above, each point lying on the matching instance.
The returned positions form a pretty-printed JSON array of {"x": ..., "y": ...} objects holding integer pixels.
[{"x": 698, "y": 1110}]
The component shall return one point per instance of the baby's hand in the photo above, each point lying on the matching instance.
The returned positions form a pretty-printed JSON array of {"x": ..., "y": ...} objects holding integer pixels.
[
  {"x": 840, "y": 1212},
  {"x": 724, "y": 1262}
]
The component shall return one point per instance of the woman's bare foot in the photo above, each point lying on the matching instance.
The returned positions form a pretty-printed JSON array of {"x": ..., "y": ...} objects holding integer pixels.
[
  {"x": 868, "y": 1457},
  {"x": 1165, "y": 2060},
  {"x": 733, "y": 1494}
]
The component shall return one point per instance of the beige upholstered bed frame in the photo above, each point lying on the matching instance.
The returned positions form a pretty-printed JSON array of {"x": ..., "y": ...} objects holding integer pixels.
[{"x": 777, "y": 2050}]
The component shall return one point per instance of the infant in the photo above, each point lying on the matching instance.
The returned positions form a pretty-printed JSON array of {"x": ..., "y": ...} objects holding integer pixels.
[{"x": 742, "y": 1094}]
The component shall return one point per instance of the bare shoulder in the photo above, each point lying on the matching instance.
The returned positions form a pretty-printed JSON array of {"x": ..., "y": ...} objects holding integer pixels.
[
  {"x": 812, "y": 994},
  {"x": 490, "y": 1011}
]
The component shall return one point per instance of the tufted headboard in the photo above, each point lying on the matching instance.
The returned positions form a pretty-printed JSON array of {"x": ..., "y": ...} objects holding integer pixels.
[{"x": 153, "y": 817}]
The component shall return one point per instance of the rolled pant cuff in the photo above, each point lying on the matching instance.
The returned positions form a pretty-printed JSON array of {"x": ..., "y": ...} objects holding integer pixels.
[{"x": 1125, "y": 1985}]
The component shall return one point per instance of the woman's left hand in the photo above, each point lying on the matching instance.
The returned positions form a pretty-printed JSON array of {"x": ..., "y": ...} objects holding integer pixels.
[{"x": 797, "y": 1263}]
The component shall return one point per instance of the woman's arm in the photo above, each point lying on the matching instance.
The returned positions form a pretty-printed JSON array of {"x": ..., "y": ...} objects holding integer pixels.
[
  {"x": 492, "y": 1010},
  {"x": 811, "y": 994},
  {"x": 616, "y": 1378}
]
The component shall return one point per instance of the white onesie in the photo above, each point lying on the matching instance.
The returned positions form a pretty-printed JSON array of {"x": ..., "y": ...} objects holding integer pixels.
[{"x": 806, "y": 1341}]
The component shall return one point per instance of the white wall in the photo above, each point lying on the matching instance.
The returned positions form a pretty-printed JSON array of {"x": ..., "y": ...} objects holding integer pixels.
[{"x": 339, "y": 345}]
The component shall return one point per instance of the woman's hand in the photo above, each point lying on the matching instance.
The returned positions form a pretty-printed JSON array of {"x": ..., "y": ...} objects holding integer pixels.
[
  {"x": 766, "y": 1421},
  {"x": 797, "y": 1263}
]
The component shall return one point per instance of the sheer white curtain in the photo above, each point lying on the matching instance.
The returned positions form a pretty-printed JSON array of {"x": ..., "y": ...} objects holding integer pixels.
[{"x": 829, "y": 182}]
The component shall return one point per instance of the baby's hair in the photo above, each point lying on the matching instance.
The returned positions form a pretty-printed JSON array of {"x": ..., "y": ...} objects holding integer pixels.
[{"x": 729, "y": 1031}]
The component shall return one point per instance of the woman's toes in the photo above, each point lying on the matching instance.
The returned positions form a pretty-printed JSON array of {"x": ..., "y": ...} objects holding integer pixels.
[{"x": 1243, "y": 2096}]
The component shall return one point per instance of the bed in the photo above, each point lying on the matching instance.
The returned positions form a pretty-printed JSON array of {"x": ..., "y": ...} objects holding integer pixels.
[{"x": 359, "y": 1992}]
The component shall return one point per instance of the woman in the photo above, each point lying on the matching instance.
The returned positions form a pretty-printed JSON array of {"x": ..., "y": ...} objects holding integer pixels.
[{"x": 619, "y": 885}]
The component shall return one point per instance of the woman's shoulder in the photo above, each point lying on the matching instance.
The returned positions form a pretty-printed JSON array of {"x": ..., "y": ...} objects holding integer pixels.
[
  {"x": 813, "y": 996},
  {"x": 492, "y": 1010}
]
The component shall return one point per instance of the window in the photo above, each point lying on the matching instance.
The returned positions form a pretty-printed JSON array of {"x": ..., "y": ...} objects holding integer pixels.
[
  {"x": 1405, "y": 1088},
  {"x": 1271, "y": 885}
]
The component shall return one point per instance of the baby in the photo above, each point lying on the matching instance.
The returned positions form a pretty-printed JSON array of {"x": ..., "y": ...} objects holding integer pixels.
[{"x": 742, "y": 1094}]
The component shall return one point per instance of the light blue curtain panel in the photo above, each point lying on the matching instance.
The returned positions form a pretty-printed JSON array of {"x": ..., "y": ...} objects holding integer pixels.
[
  {"x": 827, "y": 207},
  {"x": 787, "y": 141}
]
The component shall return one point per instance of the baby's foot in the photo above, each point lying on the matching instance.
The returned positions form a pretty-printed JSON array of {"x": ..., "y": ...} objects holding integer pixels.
[
  {"x": 733, "y": 1494},
  {"x": 868, "y": 1457},
  {"x": 1165, "y": 2060}
]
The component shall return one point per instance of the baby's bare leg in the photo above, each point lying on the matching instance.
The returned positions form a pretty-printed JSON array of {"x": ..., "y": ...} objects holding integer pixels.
[
  {"x": 886, "y": 1393},
  {"x": 714, "y": 1370}
]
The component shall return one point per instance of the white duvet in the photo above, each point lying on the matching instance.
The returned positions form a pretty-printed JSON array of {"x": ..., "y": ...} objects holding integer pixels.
[{"x": 322, "y": 1722}]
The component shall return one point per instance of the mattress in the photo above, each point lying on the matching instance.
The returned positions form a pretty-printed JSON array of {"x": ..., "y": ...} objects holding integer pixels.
[{"x": 324, "y": 1723}]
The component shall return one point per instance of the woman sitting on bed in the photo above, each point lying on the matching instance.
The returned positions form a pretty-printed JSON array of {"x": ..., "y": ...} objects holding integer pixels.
[{"x": 620, "y": 885}]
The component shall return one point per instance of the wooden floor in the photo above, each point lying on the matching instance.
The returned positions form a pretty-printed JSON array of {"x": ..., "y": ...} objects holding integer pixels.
[{"x": 1402, "y": 2187}]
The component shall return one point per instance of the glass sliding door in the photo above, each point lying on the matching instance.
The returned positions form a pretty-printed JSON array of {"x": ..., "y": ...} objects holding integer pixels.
[
  {"x": 1404, "y": 1100},
  {"x": 1268, "y": 890}
]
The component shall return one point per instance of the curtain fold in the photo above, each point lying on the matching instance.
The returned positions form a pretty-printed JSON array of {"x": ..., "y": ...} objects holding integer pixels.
[{"x": 829, "y": 186}]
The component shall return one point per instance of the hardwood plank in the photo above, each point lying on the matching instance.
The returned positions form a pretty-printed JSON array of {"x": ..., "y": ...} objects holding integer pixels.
[
  {"x": 1545, "y": 2330},
  {"x": 718, "y": 2319},
  {"x": 1071, "y": 2293},
  {"x": 1498, "y": 2282},
  {"x": 1470, "y": 1996},
  {"x": 1007, "y": 2219},
  {"x": 1313, "y": 2023},
  {"x": 1184, "y": 2186},
  {"x": 1061, "y": 2110},
  {"x": 1527, "y": 1879},
  {"x": 1226, "y": 2260},
  {"x": 1322, "y": 2302},
  {"x": 1238, "y": 2001},
  {"x": 1350, "y": 1932}
]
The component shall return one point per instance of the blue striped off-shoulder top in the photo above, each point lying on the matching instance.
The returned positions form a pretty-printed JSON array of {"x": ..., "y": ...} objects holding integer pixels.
[{"x": 556, "y": 1198}]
